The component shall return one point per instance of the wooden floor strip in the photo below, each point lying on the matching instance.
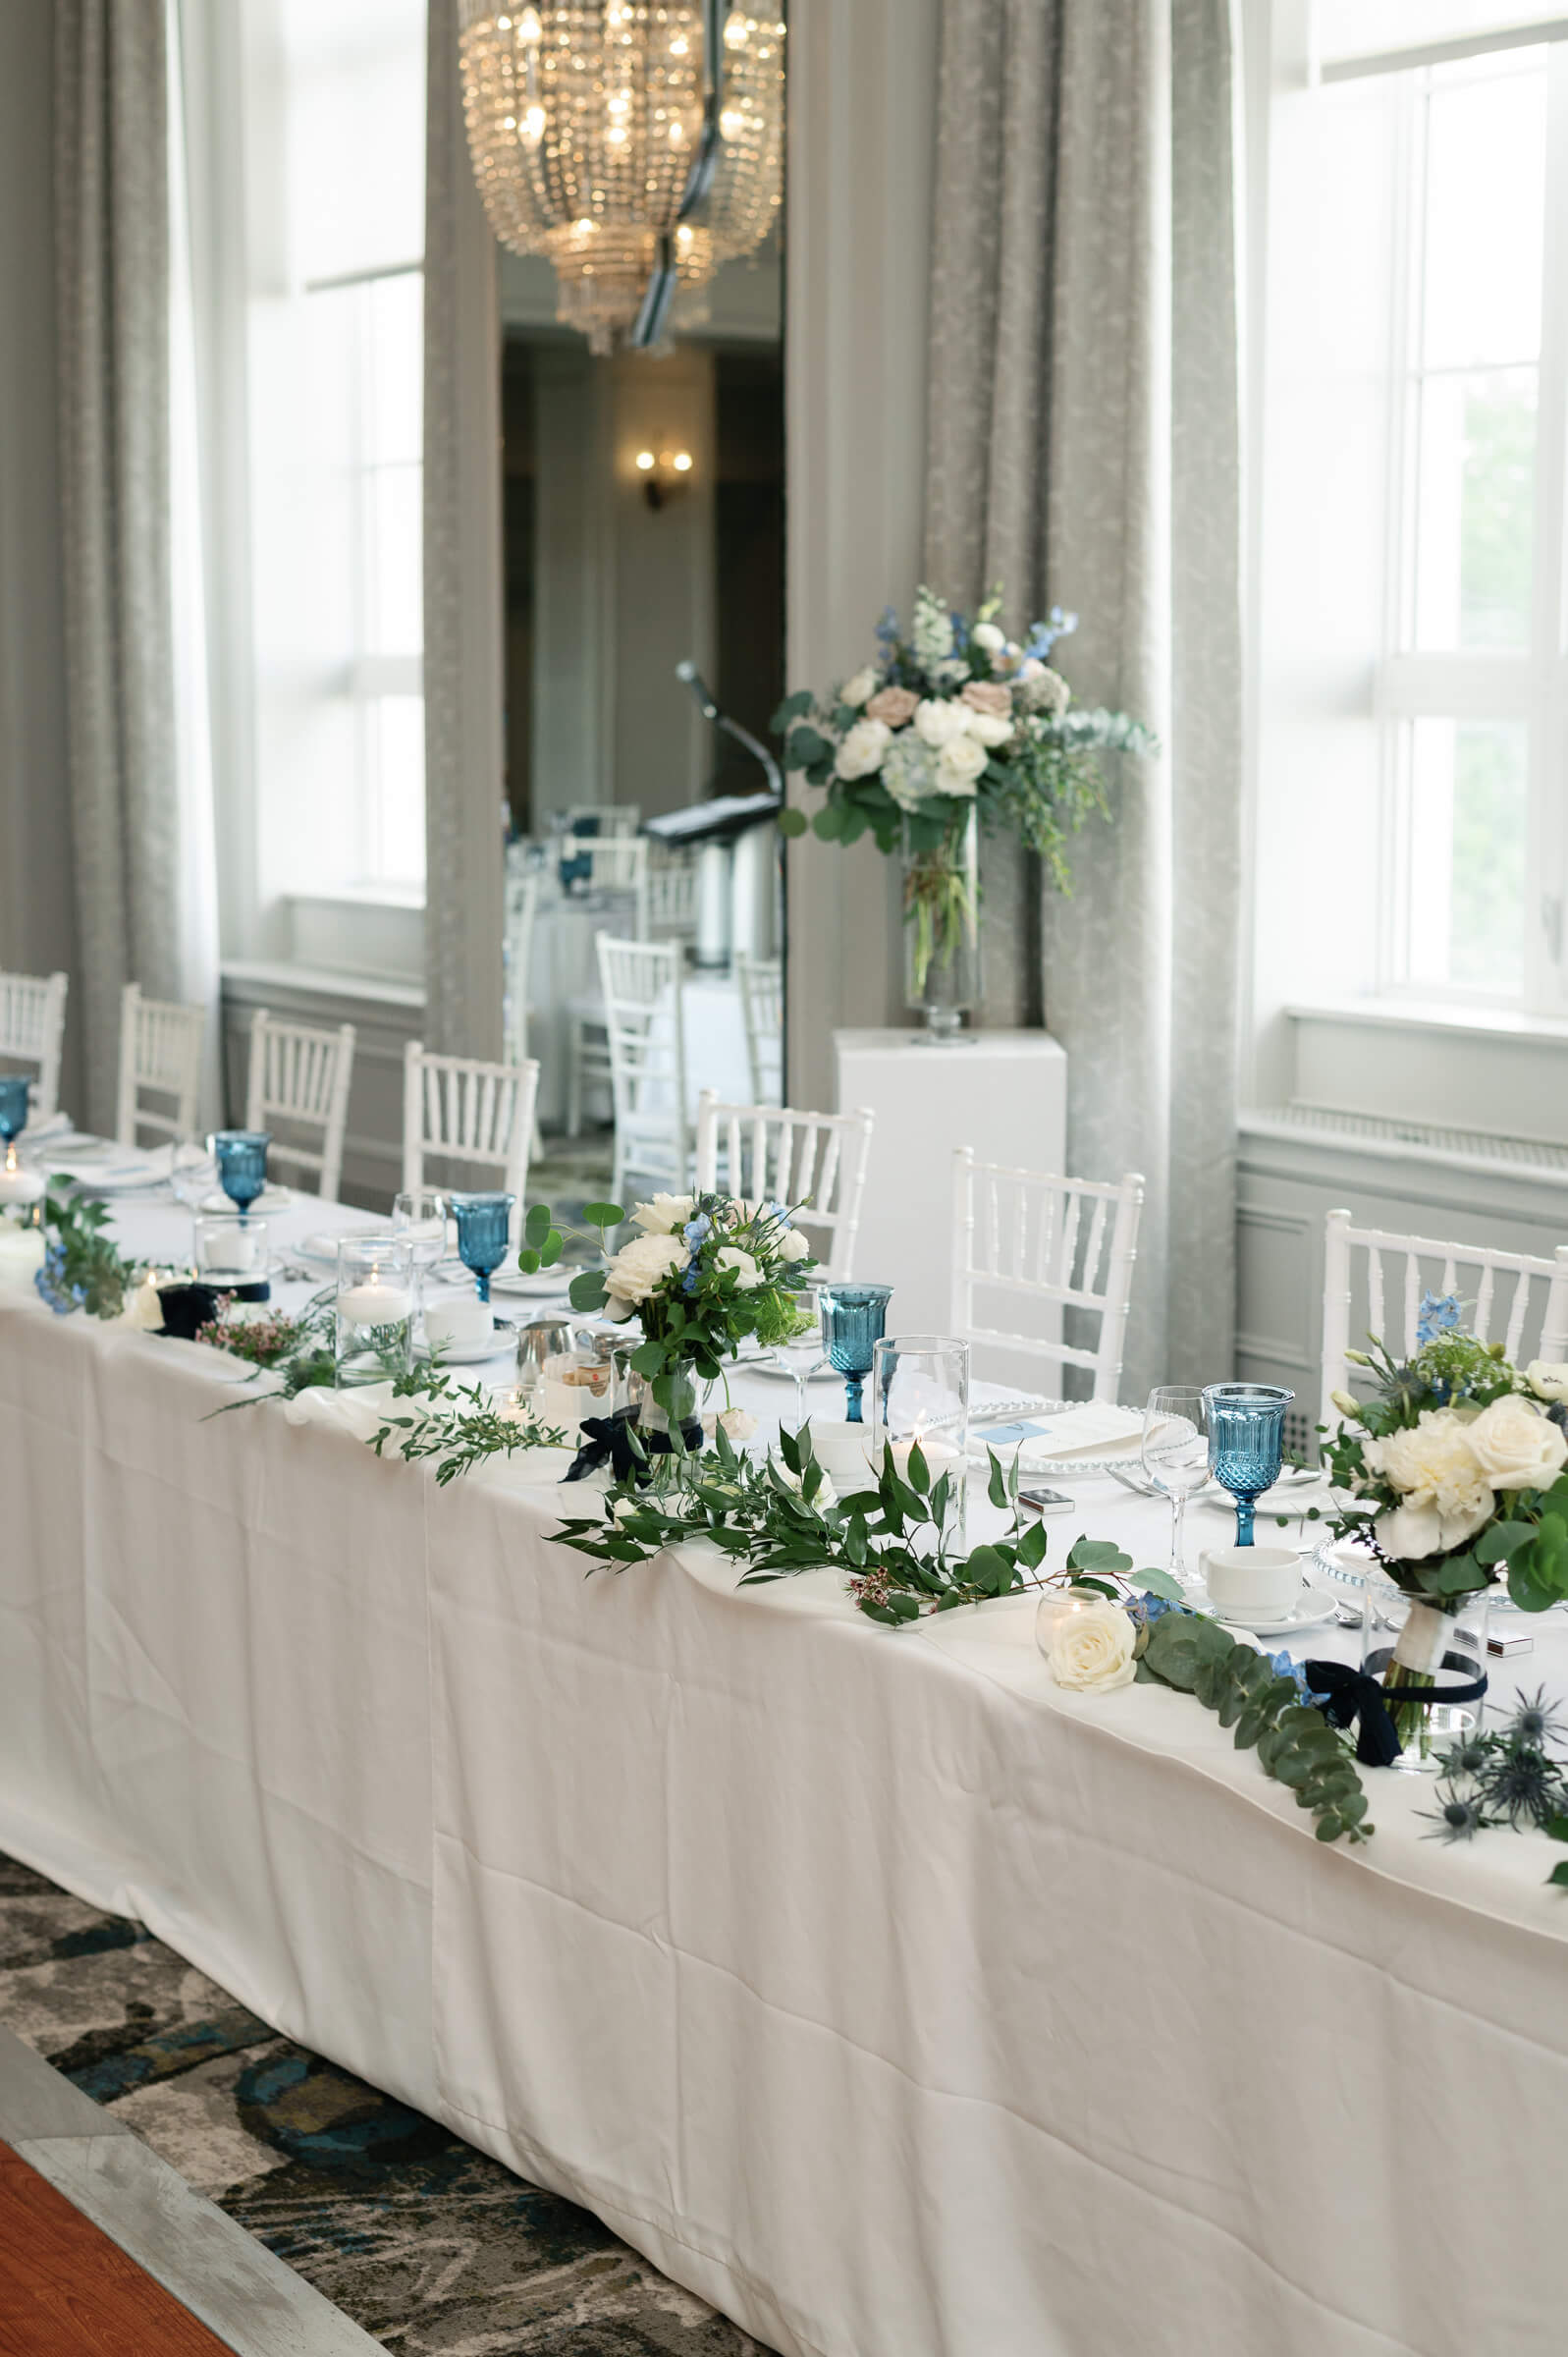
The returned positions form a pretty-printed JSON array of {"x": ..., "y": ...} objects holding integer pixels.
[{"x": 66, "y": 2290}]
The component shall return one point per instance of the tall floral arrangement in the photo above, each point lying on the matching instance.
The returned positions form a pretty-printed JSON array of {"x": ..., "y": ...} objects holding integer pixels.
[
  {"x": 953, "y": 718},
  {"x": 1453, "y": 1472}
]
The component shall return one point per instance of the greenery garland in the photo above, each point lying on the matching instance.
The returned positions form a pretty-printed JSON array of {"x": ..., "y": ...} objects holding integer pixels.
[{"x": 82, "y": 1269}]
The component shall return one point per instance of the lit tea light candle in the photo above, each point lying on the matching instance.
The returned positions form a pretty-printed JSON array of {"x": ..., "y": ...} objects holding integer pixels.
[
  {"x": 18, "y": 1185},
  {"x": 940, "y": 1455},
  {"x": 376, "y": 1304}
]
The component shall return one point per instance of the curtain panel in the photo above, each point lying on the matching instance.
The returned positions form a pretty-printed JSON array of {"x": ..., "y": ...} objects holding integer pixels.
[
  {"x": 1084, "y": 449},
  {"x": 112, "y": 292}
]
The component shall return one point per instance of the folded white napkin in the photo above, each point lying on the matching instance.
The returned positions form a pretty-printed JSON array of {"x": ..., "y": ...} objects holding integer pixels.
[{"x": 1097, "y": 1428}]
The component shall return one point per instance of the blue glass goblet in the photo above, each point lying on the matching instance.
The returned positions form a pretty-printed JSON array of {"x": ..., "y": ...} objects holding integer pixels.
[
  {"x": 13, "y": 1106},
  {"x": 1246, "y": 1429},
  {"x": 242, "y": 1159},
  {"x": 853, "y": 1317},
  {"x": 484, "y": 1228}
]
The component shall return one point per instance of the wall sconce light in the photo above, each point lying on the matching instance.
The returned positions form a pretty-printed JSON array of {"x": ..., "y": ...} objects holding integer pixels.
[{"x": 662, "y": 471}]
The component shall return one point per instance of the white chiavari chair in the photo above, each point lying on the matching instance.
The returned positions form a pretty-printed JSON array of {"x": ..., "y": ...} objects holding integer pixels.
[
  {"x": 761, "y": 985},
  {"x": 1520, "y": 1299},
  {"x": 672, "y": 894},
  {"x": 32, "y": 1028},
  {"x": 1054, "y": 1244},
  {"x": 300, "y": 1078},
  {"x": 463, "y": 1111},
  {"x": 780, "y": 1154},
  {"x": 644, "y": 1022},
  {"x": 160, "y": 1050}
]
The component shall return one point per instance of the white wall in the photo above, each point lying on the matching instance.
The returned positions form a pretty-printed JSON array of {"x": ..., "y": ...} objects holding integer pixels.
[{"x": 38, "y": 924}]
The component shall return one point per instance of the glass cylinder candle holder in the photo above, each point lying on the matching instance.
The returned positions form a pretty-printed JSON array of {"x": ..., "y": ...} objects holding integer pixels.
[
  {"x": 231, "y": 1255},
  {"x": 484, "y": 1232},
  {"x": 853, "y": 1317},
  {"x": 242, "y": 1159},
  {"x": 920, "y": 1401},
  {"x": 374, "y": 1309}
]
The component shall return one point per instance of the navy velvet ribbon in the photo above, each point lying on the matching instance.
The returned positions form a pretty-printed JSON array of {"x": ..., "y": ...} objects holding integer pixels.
[
  {"x": 605, "y": 1441},
  {"x": 1352, "y": 1693}
]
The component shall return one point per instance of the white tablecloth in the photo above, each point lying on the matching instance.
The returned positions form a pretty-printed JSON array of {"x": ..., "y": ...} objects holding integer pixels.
[{"x": 898, "y": 2002}]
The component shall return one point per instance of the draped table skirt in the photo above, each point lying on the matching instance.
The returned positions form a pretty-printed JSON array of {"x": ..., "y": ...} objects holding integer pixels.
[{"x": 897, "y": 2003}]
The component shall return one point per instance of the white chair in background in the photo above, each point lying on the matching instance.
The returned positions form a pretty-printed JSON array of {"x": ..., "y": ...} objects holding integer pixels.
[
  {"x": 647, "y": 1032},
  {"x": 613, "y": 818},
  {"x": 32, "y": 1029},
  {"x": 772, "y": 1154},
  {"x": 761, "y": 985},
  {"x": 160, "y": 1049},
  {"x": 522, "y": 910},
  {"x": 1059, "y": 1244},
  {"x": 300, "y": 1075},
  {"x": 1392, "y": 1313},
  {"x": 465, "y": 1111},
  {"x": 671, "y": 912}
]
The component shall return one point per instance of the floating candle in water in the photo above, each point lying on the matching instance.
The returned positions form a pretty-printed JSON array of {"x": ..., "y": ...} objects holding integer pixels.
[
  {"x": 229, "y": 1250},
  {"x": 376, "y": 1304}
]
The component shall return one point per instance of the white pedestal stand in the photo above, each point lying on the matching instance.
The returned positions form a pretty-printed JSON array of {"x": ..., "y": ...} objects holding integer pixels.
[{"x": 1003, "y": 1092}]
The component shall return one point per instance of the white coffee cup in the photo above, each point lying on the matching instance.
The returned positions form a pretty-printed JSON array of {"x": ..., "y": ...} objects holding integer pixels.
[
  {"x": 1242, "y": 1580},
  {"x": 843, "y": 1450}
]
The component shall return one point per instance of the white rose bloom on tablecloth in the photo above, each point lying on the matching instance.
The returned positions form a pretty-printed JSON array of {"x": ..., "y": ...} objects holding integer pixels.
[
  {"x": 986, "y": 635},
  {"x": 1091, "y": 1650},
  {"x": 143, "y": 1311},
  {"x": 1516, "y": 1444},
  {"x": 855, "y": 690},
  {"x": 748, "y": 1273},
  {"x": 662, "y": 1215},
  {"x": 737, "y": 1424},
  {"x": 1547, "y": 1378},
  {"x": 937, "y": 721},
  {"x": 959, "y": 764},
  {"x": 1447, "y": 1495},
  {"x": 639, "y": 1268},
  {"x": 860, "y": 755}
]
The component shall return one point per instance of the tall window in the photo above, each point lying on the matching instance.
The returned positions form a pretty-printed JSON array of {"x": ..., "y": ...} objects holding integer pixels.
[
  {"x": 1416, "y": 431},
  {"x": 335, "y": 124}
]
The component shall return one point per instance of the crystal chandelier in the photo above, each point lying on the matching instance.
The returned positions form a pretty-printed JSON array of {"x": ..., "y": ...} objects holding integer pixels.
[{"x": 595, "y": 133}]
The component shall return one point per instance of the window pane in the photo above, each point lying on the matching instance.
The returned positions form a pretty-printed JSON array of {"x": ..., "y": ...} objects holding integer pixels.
[
  {"x": 395, "y": 369},
  {"x": 1466, "y": 854},
  {"x": 394, "y": 613},
  {"x": 396, "y": 738},
  {"x": 356, "y": 86},
  {"x": 1485, "y": 207},
  {"x": 1476, "y": 510},
  {"x": 1370, "y": 28}
]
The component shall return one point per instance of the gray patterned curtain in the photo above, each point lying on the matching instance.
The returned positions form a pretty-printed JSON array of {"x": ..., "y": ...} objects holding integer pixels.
[
  {"x": 1084, "y": 448},
  {"x": 462, "y": 618},
  {"x": 112, "y": 206}
]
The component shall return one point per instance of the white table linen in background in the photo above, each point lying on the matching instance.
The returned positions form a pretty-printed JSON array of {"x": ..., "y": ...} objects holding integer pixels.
[{"x": 898, "y": 2002}]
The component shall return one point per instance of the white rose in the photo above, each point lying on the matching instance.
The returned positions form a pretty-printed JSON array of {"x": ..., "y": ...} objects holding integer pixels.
[
  {"x": 1516, "y": 1446},
  {"x": 826, "y": 1494},
  {"x": 662, "y": 1215},
  {"x": 959, "y": 765},
  {"x": 855, "y": 692},
  {"x": 1547, "y": 1379},
  {"x": 987, "y": 635},
  {"x": 143, "y": 1311},
  {"x": 1091, "y": 1651},
  {"x": 1348, "y": 1404},
  {"x": 748, "y": 1273},
  {"x": 737, "y": 1424},
  {"x": 860, "y": 755},
  {"x": 990, "y": 727},
  {"x": 641, "y": 1268},
  {"x": 1447, "y": 1495},
  {"x": 621, "y": 1510},
  {"x": 1042, "y": 689},
  {"x": 952, "y": 672},
  {"x": 937, "y": 721},
  {"x": 793, "y": 1245}
]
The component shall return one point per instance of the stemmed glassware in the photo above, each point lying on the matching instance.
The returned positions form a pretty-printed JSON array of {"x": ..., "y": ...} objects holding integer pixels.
[
  {"x": 1245, "y": 1435},
  {"x": 803, "y": 1353},
  {"x": 484, "y": 1232},
  {"x": 853, "y": 1320},
  {"x": 13, "y": 1112},
  {"x": 419, "y": 1219},
  {"x": 242, "y": 1159},
  {"x": 1175, "y": 1451}
]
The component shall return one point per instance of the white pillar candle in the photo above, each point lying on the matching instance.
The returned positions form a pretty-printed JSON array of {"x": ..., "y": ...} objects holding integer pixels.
[
  {"x": 376, "y": 1304},
  {"x": 230, "y": 1254},
  {"x": 20, "y": 1257},
  {"x": 20, "y": 1187},
  {"x": 939, "y": 1455}
]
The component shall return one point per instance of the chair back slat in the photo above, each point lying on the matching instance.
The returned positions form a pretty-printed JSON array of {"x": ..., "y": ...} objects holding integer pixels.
[
  {"x": 33, "y": 1028},
  {"x": 760, "y": 981},
  {"x": 466, "y": 1112},
  {"x": 300, "y": 1076},
  {"x": 777, "y": 1154},
  {"x": 1055, "y": 1243},
  {"x": 645, "y": 1031},
  {"x": 160, "y": 1050},
  {"x": 1526, "y": 1292}
]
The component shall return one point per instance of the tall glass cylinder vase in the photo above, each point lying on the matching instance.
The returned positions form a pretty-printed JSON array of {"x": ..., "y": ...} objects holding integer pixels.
[
  {"x": 1433, "y": 1671},
  {"x": 941, "y": 920}
]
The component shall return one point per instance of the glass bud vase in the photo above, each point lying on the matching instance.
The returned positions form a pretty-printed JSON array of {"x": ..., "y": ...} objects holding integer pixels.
[
  {"x": 655, "y": 1424},
  {"x": 941, "y": 920},
  {"x": 1436, "y": 1664}
]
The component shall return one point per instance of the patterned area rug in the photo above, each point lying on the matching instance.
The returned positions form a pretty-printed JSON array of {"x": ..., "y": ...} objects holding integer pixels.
[{"x": 427, "y": 2244}]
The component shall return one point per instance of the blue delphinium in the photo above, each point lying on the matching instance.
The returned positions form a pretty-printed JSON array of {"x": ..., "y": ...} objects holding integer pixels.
[
  {"x": 1283, "y": 1666},
  {"x": 51, "y": 1283},
  {"x": 1438, "y": 1314},
  {"x": 697, "y": 1231}
]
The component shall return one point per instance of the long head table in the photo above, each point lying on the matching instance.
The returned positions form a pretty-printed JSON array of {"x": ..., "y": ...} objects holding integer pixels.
[{"x": 892, "y": 1999}]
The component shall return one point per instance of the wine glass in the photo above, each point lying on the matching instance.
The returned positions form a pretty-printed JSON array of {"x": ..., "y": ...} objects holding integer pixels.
[
  {"x": 13, "y": 1114},
  {"x": 1175, "y": 1451},
  {"x": 1246, "y": 1435},
  {"x": 242, "y": 1159},
  {"x": 484, "y": 1232},
  {"x": 801, "y": 1353},
  {"x": 853, "y": 1317}
]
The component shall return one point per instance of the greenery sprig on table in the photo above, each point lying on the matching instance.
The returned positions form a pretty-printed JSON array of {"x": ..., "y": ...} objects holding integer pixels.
[
  {"x": 82, "y": 1269},
  {"x": 460, "y": 1429}
]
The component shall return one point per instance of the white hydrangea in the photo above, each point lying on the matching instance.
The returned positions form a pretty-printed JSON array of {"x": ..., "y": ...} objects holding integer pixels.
[
  {"x": 909, "y": 770},
  {"x": 932, "y": 629},
  {"x": 1447, "y": 1496}
]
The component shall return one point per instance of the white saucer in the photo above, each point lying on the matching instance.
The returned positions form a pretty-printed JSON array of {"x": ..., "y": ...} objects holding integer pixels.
[
  {"x": 1314, "y": 1607},
  {"x": 474, "y": 1354}
]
